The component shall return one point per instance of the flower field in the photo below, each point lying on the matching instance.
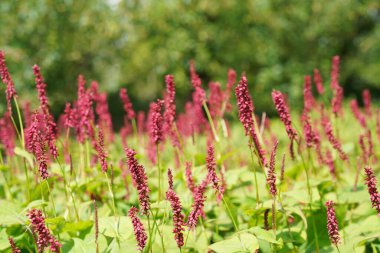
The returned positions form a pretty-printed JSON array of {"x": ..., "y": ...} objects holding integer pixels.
[{"x": 198, "y": 180}]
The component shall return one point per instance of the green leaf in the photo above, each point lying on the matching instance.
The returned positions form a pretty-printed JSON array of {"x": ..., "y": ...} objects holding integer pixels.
[
  {"x": 264, "y": 235},
  {"x": 77, "y": 226},
  {"x": 25, "y": 154},
  {"x": 243, "y": 242},
  {"x": 9, "y": 213},
  {"x": 121, "y": 229}
]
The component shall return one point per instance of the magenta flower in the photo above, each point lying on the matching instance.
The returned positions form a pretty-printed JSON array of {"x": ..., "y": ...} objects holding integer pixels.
[
  {"x": 156, "y": 122},
  {"x": 10, "y": 91},
  {"x": 127, "y": 104},
  {"x": 227, "y": 92},
  {"x": 283, "y": 112},
  {"x": 138, "y": 228},
  {"x": 367, "y": 102},
  {"x": 211, "y": 172},
  {"x": 370, "y": 181},
  {"x": 15, "y": 249},
  {"x": 178, "y": 217},
  {"x": 44, "y": 237},
  {"x": 189, "y": 178},
  {"x": 332, "y": 139},
  {"x": 215, "y": 100},
  {"x": 170, "y": 107},
  {"x": 246, "y": 108},
  {"x": 329, "y": 161},
  {"x": 308, "y": 97},
  {"x": 318, "y": 82},
  {"x": 41, "y": 89},
  {"x": 140, "y": 180},
  {"x": 357, "y": 113},
  {"x": 271, "y": 174},
  {"x": 337, "y": 99},
  {"x": 332, "y": 223},
  {"x": 170, "y": 179},
  {"x": 102, "y": 154},
  {"x": 197, "y": 206},
  {"x": 335, "y": 72},
  {"x": 7, "y": 134}
]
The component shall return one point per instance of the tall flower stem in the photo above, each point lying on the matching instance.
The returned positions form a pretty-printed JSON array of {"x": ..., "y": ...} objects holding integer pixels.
[
  {"x": 113, "y": 200},
  {"x": 255, "y": 177},
  {"x": 310, "y": 201},
  {"x": 216, "y": 137},
  {"x": 159, "y": 192},
  {"x": 230, "y": 214}
]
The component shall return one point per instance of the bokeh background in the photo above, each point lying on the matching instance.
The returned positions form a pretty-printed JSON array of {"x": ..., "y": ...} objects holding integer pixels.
[{"x": 134, "y": 44}]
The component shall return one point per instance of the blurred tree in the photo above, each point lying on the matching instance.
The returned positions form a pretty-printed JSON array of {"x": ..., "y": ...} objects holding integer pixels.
[{"x": 135, "y": 43}]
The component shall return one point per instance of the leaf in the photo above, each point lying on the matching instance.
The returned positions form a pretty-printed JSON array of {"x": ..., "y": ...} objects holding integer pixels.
[
  {"x": 77, "y": 226},
  {"x": 9, "y": 213},
  {"x": 264, "y": 235},
  {"x": 25, "y": 154},
  {"x": 81, "y": 246},
  {"x": 34, "y": 204},
  {"x": 243, "y": 242},
  {"x": 121, "y": 228}
]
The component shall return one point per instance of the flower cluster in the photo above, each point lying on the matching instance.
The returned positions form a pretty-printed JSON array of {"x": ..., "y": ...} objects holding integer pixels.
[
  {"x": 283, "y": 112},
  {"x": 10, "y": 91},
  {"x": 318, "y": 82},
  {"x": 102, "y": 155},
  {"x": 156, "y": 122},
  {"x": 15, "y": 249},
  {"x": 44, "y": 237},
  {"x": 308, "y": 97},
  {"x": 197, "y": 206},
  {"x": 370, "y": 181},
  {"x": 332, "y": 223},
  {"x": 138, "y": 228},
  {"x": 140, "y": 180},
  {"x": 127, "y": 104},
  {"x": 178, "y": 217},
  {"x": 211, "y": 172},
  {"x": 271, "y": 175},
  {"x": 332, "y": 139}
]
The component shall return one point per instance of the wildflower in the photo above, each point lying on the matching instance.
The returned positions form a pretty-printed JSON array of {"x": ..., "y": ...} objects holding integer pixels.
[
  {"x": 271, "y": 175},
  {"x": 15, "y": 249},
  {"x": 41, "y": 89},
  {"x": 156, "y": 121},
  {"x": 127, "y": 104},
  {"x": 367, "y": 101},
  {"x": 10, "y": 91},
  {"x": 197, "y": 206},
  {"x": 7, "y": 134},
  {"x": 330, "y": 163},
  {"x": 357, "y": 113},
  {"x": 170, "y": 179},
  {"x": 189, "y": 177},
  {"x": 102, "y": 155},
  {"x": 211, "y": 175},
  {"x": 216, "y": 100},
  {"x": 332, "y": 223},
  {"x": 138, "y": 228},
  {"x": 140, "y": 122},
  {"x": 246, "y": 108},
  {"x": 96, "y": 219},
  {"x": 282, "y": 168},
  {"x": 283, "y": 111},
  {"x": 318, "y": 82},
  {"x": 332, "y": 139},
  {"x": 227, "y": 92},
  {"x": 309, "y": 100},
  {"x": 85, "y": 114},
  {"x": 140, "y": 180},
  {"x": 68, "y": 116},
  {"x": 170, "y": 107},
  {"x": 335, "y": 72},
  {"x": 370, "y": 181},
  {"x": 44, "y": 237},
  {"x": 178, "y": 217},
  {"x": 338, "y": 90}
]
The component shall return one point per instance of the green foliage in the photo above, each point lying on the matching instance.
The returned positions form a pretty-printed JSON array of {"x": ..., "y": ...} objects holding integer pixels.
[{"x": 134, "y": 44}]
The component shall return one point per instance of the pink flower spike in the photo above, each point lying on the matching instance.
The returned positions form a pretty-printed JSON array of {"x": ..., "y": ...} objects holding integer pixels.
[
  {"x": 178, "y": 217},
  {"x": 283, "y": 111},
  {"x": 127, "y": 104},
  {"x": 370, "y": 181},
  {"x": 138, "y": 228},
  {"x": 332, "y": 223},
  {"x": 10, "y": 91},
  {"x": 271, "y": 174},
  {"x": 318, "y": 82}
]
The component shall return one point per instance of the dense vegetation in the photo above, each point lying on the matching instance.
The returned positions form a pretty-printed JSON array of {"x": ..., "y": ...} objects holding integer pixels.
[
  {"x": 192, "y": 181},
  {"x": 135, "y": 44}
]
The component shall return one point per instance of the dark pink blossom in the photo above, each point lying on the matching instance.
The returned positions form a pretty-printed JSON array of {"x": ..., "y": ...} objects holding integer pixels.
[
  {"x": 337, "y": 99},
  {"x": 197, "y": 206},
  {"x": 271, "y": 174},
  {"x": 211, "y": 172},
  {"x": 44, "y": 236},
  {"x": 84, "y": 112},
  {"x": 141, "y": 122},
  {"x": 138, "y": 228},
  {"x": 370, "y": 181},
  {"x": 283, "y": 112},
  {"x": 156, "y": 122},
  {"x": 367, "y": 101},
  {"x": 127, "y": 104},
  {"x": 15, "y": 249},
  {"x": 170, "y": 179},
  {"x": 41, "y": 89},
  {"x": 178, "y": 217},
  {"x": 332, "y": 139},
  {"x": 329, "y": 161},
  {"x": 246, "y": 109},
  {"x": 227, "y": 92},
  {"x": 100, "y": 149},
  {"x": 189, "y": 177},
  {"x": 215, "y": 100},
  {"x": 335, "y": 72},
  {"x": 332, "y": 223},
  {"x": 357, "y": 113},
  {"x": 140, "y": 180},
  {"x": 104, "y": 116},
  {"x": 10, "y": 91},
  {"x": 7, "y": 134},
  {"x": 308, "y": 97},
  {"x": 318, "y": 82}
]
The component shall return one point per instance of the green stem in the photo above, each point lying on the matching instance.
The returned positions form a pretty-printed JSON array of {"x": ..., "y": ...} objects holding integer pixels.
[
  {"x": 230, "y": 214},
  {"x": 216, "y": 137},
  {"x": 255, "y": 177},
  {"x": 112, "y": 197}
]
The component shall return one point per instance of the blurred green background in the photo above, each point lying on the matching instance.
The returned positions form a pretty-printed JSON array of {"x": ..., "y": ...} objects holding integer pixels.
[{"x": 134, "y": 44}]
